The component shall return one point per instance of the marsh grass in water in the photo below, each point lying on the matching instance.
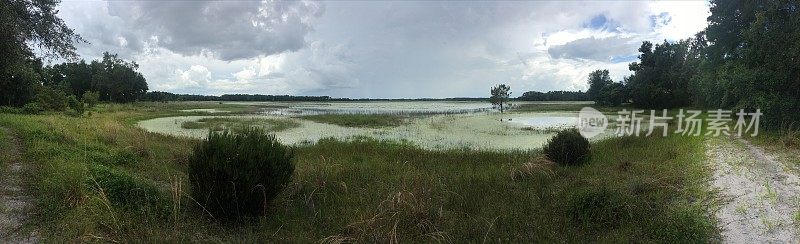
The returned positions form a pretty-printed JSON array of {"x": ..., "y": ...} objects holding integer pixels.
[
  {"x": 358, "y": 120},
  {"x": 240, "y": 124}
]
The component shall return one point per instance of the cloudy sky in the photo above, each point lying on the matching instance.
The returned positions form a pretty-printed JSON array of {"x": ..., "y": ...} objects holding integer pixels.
[{"x": 382, "y": 49}]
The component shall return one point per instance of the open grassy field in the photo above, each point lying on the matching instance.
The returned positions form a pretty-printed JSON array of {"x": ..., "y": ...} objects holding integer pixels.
[{"x": 100, "y": 178}]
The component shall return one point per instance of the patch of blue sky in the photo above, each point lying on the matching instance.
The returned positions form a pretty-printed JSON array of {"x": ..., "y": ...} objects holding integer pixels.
[
  {"x": 624, "y": 58},
  {"x": 601, "y": 22}
]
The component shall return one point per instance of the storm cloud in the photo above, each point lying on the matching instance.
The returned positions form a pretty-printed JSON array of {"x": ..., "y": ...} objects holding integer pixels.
[
  {"x": 382, "y": 49},
  {"x": 599, "y": 49},
  {"x": 228, "y": 30}
]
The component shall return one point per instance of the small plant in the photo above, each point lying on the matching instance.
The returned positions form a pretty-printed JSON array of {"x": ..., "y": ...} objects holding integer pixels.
[
  {"x": 31, "y": 108},
  {"x": 90, "y": 98},
  {"x": 567, "y": 147},
  {"x": 237, "y": 175},
  {"x": 75, "y": 104}
]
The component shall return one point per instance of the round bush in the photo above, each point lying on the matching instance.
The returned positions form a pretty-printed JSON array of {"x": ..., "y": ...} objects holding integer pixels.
[
  {"x": 567, "y": 147},
  {"x": 238, "y": 175}
]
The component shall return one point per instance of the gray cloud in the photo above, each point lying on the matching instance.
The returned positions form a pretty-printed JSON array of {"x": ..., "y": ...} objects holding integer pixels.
[
  {"x": 372, "y": 49},
  {"x": 599, "y": 49},
  {"x": 228, "y": 30}
]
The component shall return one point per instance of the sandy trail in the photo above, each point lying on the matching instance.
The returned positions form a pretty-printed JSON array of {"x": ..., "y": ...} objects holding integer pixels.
[
  {"x": 15, "y": 204},
  {"x": 760, "y": 197}
]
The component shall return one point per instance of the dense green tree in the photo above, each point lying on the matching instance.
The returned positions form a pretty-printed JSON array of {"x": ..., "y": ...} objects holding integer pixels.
[
  {"x": 598, "y": 80},
  {"x": 613, "y": 94},
  {"x": 604, "y": 91},
  {"x": 112, "y": 78},
  {"x": 24, "y": 22},
  {"x": 75, "y": 77},
  {"x": 751, "y": 61},
  {"x": 118, "y": 80},
  {"x": 500, "y": 95},
  {"x": 554, "y": 96},
  {"x": 661, "y": 77}
]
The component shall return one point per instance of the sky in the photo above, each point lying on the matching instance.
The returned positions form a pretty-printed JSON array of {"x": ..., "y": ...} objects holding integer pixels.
[{"x": 376, "y": 49}]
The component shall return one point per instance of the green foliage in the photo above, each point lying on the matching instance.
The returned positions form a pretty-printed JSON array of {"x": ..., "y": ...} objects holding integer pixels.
[
  {"x": 598, "y": 80},
  {"x": 90, "y": 98},
  {"x": 110, "y": 79},
  {"x": 32, "y": 108},
  {"x": 554, "y": 96},
  {"x": 613, "y": 94},
  {"x": 10, "y": 110},
  {"x": 75, "y": 104},
  {"x": 51, "y": 99},
  {"x": 238, "y": 175},
  {"x": 567, "y": 147},
  {"x": 604, "y": 91},
  {"x": 29, "y": 22},
  {"x": 129, "y": 192},
  {"x": 500, "y": 95},
  {"x": 661, "y": 78},
  {"x": 751, "y": 59}
]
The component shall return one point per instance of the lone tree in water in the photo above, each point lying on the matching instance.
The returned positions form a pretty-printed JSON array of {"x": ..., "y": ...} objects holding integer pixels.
[{"x": 500, "y": 95}]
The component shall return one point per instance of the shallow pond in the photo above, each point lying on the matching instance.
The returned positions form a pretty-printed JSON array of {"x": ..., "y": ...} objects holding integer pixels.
[{"x": 484, "y": 130}]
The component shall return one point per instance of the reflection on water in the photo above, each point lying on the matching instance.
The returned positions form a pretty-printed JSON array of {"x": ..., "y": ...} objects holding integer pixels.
[{"x": 547, "y": 121}]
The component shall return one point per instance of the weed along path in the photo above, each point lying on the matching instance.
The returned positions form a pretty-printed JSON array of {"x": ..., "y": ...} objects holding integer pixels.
[
  {"x": 760, "y": 197},
  {"x": 15, "y": 204}
]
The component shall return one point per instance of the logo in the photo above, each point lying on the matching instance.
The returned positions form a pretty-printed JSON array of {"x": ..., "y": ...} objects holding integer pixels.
[{"x": 591, "y": 122}]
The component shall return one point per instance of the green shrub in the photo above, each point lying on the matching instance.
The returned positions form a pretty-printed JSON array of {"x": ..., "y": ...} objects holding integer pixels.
[
  {"x": 31, "y": 108},
  {"x": 74, "y": 104},
  {"x": 51, "y": 99},
  {"x": 129, "y": 192},
  {"x": 10, "y": 110},
  {"x": 237, "y": 175},
  {"x": 567, "y": 147},
  {"x": 90, "y": 98}
]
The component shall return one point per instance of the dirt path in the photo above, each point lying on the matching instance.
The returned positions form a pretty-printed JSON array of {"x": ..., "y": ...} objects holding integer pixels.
[
  {"x": 760, "y": 196},
  {"x": 15, "y": 204}
]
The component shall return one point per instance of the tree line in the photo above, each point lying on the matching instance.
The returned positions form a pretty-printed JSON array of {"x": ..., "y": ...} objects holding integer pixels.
[
  {"x": 746, "y": 58},
  {"x": 554, "y": 96},
  {"x": 26, "y": 81}
]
